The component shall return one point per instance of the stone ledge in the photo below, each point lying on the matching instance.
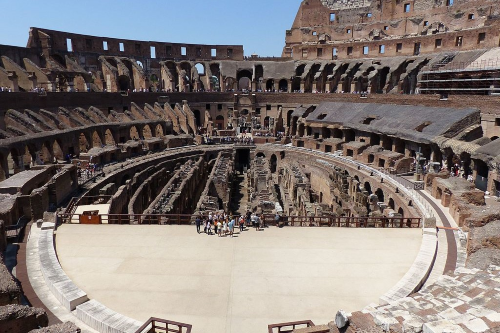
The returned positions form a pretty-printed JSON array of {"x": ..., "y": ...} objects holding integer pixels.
[
  {"x": 105, "y": 320},
  {"x": 66, "y": 292},
  {"x": 416, "y": 276}
]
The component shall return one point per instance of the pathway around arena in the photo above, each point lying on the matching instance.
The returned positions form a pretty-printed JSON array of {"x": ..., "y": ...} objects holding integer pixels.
[{"x": 239, "y": 284}]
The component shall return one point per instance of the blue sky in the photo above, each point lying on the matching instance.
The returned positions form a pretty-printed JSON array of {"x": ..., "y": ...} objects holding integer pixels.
[{"x": 259, "y": 25}]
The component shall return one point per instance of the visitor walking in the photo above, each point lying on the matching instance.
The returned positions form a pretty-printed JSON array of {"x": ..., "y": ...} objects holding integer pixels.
[
  {"x": 198, "y": 224},
  {"x": 209, "y": 228},
  {"x": 224, "y": 228},
  {"x": 242, "y": 223},
  {"x": 216, "y": 225},
  {"x": 219, "y": 228},
  {"x": 231, "y": 227}
]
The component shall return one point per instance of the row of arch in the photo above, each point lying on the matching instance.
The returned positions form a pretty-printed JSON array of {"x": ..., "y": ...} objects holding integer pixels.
[{"x": 57, "y": 148}]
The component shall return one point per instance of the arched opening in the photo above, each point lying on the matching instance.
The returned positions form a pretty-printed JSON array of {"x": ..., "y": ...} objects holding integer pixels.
[
  {"x": 200, "y": 68},
  {"x": 230, "y": 83},
  {"x": 134, "y": 133},
  {"x": 349, "y": 135},
  {"x": 371, "y": 158},
  {"x": 83, "y": 143},
  {"x": 382, "y": 80},
  {"x": 289, "y": 118},
  {"x": 283, "y": 85},
  {"x": 214, "y": 79},
  {"x": 387, "y": 143},
  {"x": 197, "y": 117},
  {"x": 325, "y": 133},
  {"x": 260, "y": 154},
  {"x": 380, "y": 195},
  {"x": 368, "y": 187},
  {"x": 259, "y": 72},
  {"x": 146, "y": 132},
  {"x": 266, "y": 122},
  {"x": 109, "y": 138},
  {"x": 57, "y": 151},
  {"x": 391, "y": 203},
  {"x": 337, "y": 133},
  {"x": 274, "y": 163},
  {"x": 493, "y": 138},
  {"x": 270, "y": 85},
  {"x": 374, "y": 139},
  {"x": 301, "y": 129},
  {"x": 46, "y": 156},
  {"x": 96, "y": 140},
  {"x": 219, "y": 122},
  {"x": 401, "y": 211},
  {"x": 159, "y": 131},
  {"x": 4, "y": 169},
  {"x": 244, "y": 78},
  {"x": 173, "y": 75},
  {"x": 139, "y": 63},
  {"x": 123, "y": 83}
]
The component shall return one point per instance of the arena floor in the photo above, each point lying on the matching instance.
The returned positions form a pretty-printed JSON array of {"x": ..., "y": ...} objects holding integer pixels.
[{"x": 240, "y": 284}]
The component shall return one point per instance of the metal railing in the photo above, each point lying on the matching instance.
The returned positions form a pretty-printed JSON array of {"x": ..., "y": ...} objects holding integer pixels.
[
  {"x": 291, "y": 326},
  {"x": 267, "y": 220},
  {"x": 343, "y": 222},
  {"x": 157, "y": 325}
]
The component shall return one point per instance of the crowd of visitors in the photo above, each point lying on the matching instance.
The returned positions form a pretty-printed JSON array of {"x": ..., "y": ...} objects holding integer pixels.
[{"x": 222, "y": 224}]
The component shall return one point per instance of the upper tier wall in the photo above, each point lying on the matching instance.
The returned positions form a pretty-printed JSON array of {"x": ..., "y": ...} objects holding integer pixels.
[
  {"x": 61, "y": 42},
  {"x": 326, "y": 29}
]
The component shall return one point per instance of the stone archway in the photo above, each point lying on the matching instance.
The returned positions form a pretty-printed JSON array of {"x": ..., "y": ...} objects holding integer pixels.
[
  {"x": 146, "y": 132},
  {"x": 109, "y": 138},
  {"x": 133, "y": 133}
]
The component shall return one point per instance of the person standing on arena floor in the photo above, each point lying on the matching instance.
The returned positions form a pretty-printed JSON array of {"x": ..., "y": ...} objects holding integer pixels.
[
  {"x": 198, "y": 224},
  {"x": 219, "y": 228},
  {"x": 216, "y": 226},
  {"x": 242, "y": 223},
  {"x": 231, "y": 227}
]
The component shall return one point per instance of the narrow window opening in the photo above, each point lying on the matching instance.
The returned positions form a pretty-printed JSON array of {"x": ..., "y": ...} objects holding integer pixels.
[
  {"x": 439, "y": 43},
  {"x": 332, "y": 17},
  {"x": 153, "y": 52},
  {"x": 399, "y": 47},
  {"x": 381, "y": 49},
  {"x": 481, "y": 37},
  {"x": 365, "y": 50},
  {"x": 214, "y": 53},
  {"x": 183, "y": 51},
  {"x": 69, "y": 45},
  {"x": 349, "y": 50},
  {"x": 105, "y": 46},
  {"x": 122, "y": 47},
  {"x": 407, "y": 7}
]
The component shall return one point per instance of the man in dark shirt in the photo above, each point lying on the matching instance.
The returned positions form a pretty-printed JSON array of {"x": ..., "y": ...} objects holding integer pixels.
[{"x": 198, "y": 224}]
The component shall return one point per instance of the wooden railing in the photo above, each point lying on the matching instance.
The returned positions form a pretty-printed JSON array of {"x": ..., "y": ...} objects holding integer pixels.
[
  {"x": 267, "y": 220},
  {"x": 290, "y": 327},
  {"x": 157, "y": 325}
]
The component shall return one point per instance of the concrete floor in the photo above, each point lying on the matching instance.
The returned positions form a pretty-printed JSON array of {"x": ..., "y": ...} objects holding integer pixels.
[{"x": 237, "y": 285}]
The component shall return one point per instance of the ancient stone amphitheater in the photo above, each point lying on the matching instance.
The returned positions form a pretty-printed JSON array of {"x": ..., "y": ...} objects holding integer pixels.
[{"x": 369, "y": 151}]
